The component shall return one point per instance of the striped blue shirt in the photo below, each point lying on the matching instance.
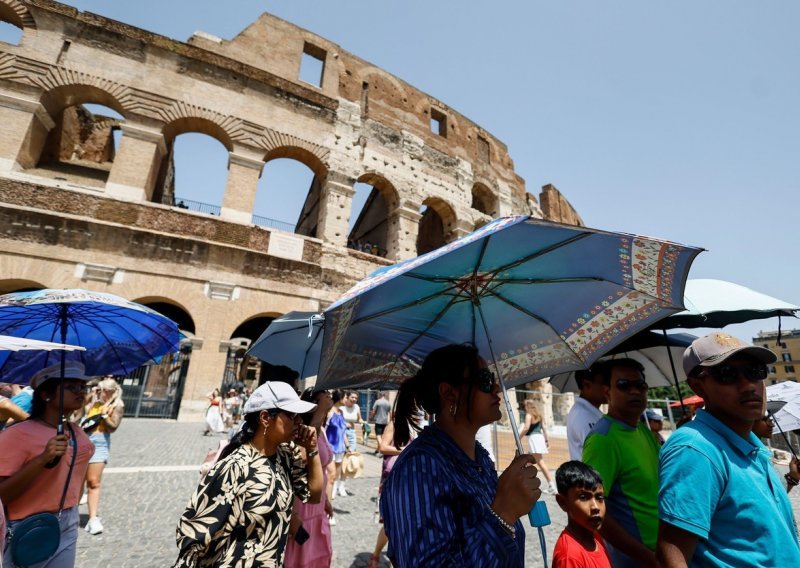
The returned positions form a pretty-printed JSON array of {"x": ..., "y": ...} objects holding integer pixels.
[{"x": 435, "y": 508}]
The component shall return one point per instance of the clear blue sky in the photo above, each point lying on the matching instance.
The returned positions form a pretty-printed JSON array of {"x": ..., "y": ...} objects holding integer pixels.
[{"x": 673, "y": 119}]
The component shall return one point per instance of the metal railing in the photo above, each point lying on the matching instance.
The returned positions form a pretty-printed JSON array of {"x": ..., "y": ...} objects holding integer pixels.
[
  {"x": 198, "y": 206},
  {"x": 273, "y": 223},
  {"x": 209, "y": 209}
]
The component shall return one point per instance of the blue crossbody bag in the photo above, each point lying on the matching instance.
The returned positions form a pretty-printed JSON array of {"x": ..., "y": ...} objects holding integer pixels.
[{"x": 37, "y": 537}]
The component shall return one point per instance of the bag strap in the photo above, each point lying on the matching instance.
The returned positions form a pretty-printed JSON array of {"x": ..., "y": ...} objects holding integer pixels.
[{"x": 74, "y": 444}]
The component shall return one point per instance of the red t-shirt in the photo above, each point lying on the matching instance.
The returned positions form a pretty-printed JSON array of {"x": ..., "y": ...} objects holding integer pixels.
[{"x": 570, "y": 554}]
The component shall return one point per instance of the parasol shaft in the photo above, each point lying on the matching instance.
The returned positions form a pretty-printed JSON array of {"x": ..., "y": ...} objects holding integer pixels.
[{"x": 674, "y": 372}]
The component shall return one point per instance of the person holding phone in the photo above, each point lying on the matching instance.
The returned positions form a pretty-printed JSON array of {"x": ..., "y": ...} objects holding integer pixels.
[
  {"x": 239, "y": 514},
  {"x": 443, "y": 504},
  {"x": 103, "y": 417},
  {"x": 310, "y": 545}
]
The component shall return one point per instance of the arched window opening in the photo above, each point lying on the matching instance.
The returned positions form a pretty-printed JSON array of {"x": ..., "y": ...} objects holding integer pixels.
[
  {"x": 193, "y": 174},
  {"x": 82, "y": 146},
  {"x": 10, "y": 33},
  {"x": 483, "y": 200},
  {"x": 249, "y": 371},
  {"x": 18, "y": 285},
  {"x": 369, "y": 219},
  {"x": 430, "y": 235},
  {"x": 173, "y": 312},
  {"x": 288, "y": 197}
]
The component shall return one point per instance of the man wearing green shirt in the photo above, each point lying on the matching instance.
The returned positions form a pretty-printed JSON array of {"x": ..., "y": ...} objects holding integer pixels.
[{"x": 625, "y": 453}]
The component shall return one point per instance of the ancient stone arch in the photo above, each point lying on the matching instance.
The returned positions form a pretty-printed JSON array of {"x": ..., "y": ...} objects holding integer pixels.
[
  {"x": 436, "y": 227},
  {"x": 180, "y": 119},
  {"x": 16, "y": 13},
  {"x": 360, "y": 123},
  {"x": 281, "y": 145},
  {"x": 172, "y": 309},
  {"x": 306, "y": 154},
  {"x": 484, "y": 199},
  {"x": 371, "y": 230},
  {"x": 67, "y": 87},
  {"x": 15, "y": 285}
]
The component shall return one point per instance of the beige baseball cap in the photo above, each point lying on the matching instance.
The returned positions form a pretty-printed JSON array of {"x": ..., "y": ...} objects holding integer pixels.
[{"x": 714, "y": 348}]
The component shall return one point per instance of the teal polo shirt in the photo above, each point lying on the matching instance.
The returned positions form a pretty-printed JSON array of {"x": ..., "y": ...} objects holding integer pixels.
[{"x": 723, "y": 488}]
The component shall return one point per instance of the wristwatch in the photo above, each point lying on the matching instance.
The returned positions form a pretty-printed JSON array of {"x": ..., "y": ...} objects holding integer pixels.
[{"x": 312, "y": 453}]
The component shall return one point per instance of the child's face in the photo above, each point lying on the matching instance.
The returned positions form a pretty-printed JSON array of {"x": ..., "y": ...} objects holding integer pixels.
[{"x": 585, "y": 507}]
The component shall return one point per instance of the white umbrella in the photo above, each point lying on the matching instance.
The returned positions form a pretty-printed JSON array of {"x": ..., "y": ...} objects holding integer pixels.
[
  {"x": 9, "y": 343},
  {"x": 717, "y": 303},
  {"x": 788, "y": 417},
  {"x": 649, "y": 350}
]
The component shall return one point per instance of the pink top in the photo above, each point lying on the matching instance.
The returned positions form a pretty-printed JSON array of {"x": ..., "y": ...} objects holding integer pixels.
[
  {"x": 21, "y": 443},
  {"x": 317, "y": 551}
]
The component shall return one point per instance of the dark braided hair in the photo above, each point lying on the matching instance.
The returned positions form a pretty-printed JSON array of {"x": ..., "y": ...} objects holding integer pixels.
[{"x": 448, "y": 364}]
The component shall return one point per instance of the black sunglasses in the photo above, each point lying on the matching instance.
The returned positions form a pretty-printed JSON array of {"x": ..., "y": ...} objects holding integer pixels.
[
  {"x": 729, "y": 374},
  {"x": 275, "y": 411},
  {"x": 485, "y": 380},
  {"x": 627, "y": 384}
]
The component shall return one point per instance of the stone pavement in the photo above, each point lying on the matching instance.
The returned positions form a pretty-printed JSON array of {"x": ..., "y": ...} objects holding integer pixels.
[{"x": 154, "y": 469}]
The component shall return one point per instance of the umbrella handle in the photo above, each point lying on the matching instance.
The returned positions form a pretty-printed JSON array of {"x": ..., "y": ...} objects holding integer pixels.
[{"x": 54, "y": 462}]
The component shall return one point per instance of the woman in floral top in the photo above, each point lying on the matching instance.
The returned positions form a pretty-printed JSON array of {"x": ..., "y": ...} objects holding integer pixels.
[{"x": 239, "y": 515}]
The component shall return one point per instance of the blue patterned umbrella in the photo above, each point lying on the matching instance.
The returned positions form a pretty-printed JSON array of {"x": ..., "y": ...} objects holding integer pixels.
[
  {"x": 293, "y": 340},
  {"x": 118, "y": 335},
  {"x": 536, "y": 298}
]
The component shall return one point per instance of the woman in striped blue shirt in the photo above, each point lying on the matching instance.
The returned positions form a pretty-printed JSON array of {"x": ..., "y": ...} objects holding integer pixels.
[{"x": 443, "y": 504}]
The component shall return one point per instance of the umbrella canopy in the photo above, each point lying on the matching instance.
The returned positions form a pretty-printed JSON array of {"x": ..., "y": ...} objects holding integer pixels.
[
  {"x": 537, "y": 298},
  {"x": 689, "y": 401},
  {"x": 293, "y": 340},
  {"x": 116, "y": 335},
  {"x": 647, "y": 348},
  {"x": 788, "y": 416},
  {"x": 10, "y": 343},
  {"x": 717, "y": 303}
]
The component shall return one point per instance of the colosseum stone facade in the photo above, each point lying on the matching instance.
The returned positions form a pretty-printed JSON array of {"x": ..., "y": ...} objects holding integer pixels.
[{"x": 83, "y": 208}]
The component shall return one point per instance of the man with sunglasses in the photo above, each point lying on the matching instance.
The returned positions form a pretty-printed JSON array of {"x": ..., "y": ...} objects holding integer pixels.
[
  {"x": 625, "y": 453},
  {"x": 721, "y": 502}
]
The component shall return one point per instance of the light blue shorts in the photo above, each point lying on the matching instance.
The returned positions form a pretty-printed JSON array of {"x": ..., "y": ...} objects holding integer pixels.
[{"x": 102, "y": 443}]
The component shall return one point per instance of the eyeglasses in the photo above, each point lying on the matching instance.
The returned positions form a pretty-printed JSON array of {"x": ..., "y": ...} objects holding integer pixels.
[
  {"x": 77, "y": 388},
  {"x": 485, "y": 380},
  {"x": 729, "y": 374},
  {"x": 627, "y": 384}
]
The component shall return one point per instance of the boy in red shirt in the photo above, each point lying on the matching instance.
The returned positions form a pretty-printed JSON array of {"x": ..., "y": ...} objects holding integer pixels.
[{"x": 581, "y": 497}]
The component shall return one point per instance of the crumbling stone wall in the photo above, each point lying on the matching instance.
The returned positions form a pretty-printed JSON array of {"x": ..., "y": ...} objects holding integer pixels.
[{"x": 359, "y": 123}]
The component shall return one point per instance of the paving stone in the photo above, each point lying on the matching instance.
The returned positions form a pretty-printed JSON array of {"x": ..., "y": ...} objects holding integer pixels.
[{"x": 140, "y": 509}]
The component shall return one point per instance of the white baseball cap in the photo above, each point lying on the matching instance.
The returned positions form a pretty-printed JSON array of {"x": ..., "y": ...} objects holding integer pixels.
[
  {"x": 274, "y": 395},
  {"x": 72, "y": 370}
]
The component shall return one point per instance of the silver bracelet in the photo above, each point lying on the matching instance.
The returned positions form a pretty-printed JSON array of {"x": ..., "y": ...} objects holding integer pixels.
[
  {"x": 312, "y": 453},
  {"x": 508, "y": 528}
]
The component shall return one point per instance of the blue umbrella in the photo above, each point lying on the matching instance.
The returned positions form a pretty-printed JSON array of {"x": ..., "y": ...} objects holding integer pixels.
[
  {"x": 293, "y": 340},
  {"x": 118, "y": 335},
  {"x": 538, "y": 298}
]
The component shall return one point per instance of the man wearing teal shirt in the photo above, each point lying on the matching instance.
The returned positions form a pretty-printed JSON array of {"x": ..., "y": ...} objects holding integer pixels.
[
  {"x": 625, "y": 453},
  {"x": 721, "y": 503}
]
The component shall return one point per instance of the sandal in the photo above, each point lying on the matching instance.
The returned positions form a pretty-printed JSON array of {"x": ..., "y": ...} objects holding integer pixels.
[{"x": 373, "y": 561}]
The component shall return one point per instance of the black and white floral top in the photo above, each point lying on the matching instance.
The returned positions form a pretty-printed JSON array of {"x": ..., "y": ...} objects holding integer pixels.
[{"x": 239, "y": 515}]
